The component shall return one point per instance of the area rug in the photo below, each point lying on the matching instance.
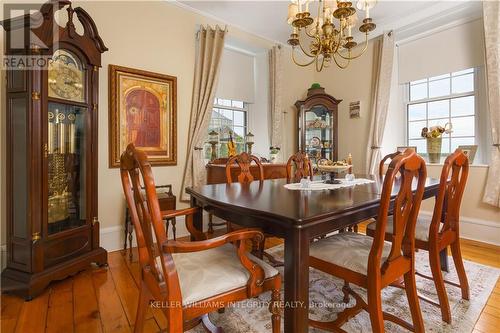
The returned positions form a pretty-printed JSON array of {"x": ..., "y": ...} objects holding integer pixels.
[{"x": 325, "y": 296}]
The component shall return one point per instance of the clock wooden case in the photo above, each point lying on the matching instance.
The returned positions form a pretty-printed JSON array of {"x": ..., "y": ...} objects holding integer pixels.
[
  {"x": 52, "y": 125},
  {"x": 318, "y": 125}
]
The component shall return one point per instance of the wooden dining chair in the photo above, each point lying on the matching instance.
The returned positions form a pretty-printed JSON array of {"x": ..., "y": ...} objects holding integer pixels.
[
  {"x": 244, "y": 161},
  {"x": 298, "y": 166},
  {"x": 190, "y": 279},
  {"x": 443, "y": 230},
  {"x": 372, "y": 263}
]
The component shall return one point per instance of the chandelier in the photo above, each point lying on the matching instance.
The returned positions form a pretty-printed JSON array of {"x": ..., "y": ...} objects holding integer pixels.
[{"x": 330, "y": 33}]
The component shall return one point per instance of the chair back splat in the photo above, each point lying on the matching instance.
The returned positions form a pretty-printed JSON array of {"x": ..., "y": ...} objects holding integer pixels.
[
  {"x": 298, "y": 166},
  {"x": 244, "y": 160},
  {"x": 451, "y": 188},
  {"x": 412, "y": 170},
  {"x": 134, "y": 166}
]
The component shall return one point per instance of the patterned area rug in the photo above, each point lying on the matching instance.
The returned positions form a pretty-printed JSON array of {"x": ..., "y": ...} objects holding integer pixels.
[{"x": 325, "y": 293}]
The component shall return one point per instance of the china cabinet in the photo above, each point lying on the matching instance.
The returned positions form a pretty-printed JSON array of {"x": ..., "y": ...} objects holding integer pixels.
[
  {"x": 52, "y": 126},
  {"x": 318, "y": 125}
]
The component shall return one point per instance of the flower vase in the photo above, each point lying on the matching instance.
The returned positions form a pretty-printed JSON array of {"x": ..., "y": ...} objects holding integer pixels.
[{"x": 434, "y": 149}]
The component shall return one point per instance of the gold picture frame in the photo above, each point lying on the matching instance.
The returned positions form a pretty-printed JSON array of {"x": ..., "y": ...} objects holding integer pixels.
[{"x": 142, "y": 110}]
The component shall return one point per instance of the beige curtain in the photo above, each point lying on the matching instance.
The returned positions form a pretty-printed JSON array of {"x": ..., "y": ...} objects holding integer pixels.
[
  {"x": 276, "y": 107},
  {"x": 491, "y": 17},
  {"x": 382, "y": 71},
  {"x": 209, "y": 44}
]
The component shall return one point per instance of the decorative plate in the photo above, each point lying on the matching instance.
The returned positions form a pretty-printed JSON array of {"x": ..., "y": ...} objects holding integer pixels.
[{"x": 315, "y": 142}]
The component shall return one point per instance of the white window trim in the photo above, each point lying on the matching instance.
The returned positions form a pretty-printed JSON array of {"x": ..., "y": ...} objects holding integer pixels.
[{"x": 480, "y": 126}]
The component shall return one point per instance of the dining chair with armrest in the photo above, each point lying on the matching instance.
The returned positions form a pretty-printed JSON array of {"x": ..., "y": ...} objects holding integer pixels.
[
  {"x": 372, "y": 263},
  {"x": 443, "y": 230},
  {"x": 190, "y": 279},
  {"x": 244, "y": 161}
]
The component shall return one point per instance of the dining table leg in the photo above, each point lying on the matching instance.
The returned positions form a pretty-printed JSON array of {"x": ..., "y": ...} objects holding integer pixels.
[
  {"x": 296, "y": 282},
  {"x": 443, "y": 255},
  {"x": 197, "y": 218}
]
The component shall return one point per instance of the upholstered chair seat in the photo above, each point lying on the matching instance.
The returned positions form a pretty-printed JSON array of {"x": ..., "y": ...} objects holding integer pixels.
[
  {"x": 347, "y": 249},
  {"x": 212, "y": 272},
  {"x": 421, "y": 229}
]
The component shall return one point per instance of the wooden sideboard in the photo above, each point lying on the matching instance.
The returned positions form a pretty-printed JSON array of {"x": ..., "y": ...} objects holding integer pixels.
[{"x": 216, "y": 173}]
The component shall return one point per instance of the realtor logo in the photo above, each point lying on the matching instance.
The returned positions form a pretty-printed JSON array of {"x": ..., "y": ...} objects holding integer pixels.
[{"x": 23, "y": 24}]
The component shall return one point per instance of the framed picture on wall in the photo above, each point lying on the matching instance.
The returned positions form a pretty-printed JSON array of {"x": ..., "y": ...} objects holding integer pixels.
[
  {"x": 469, "y": 151},
  {"x": 403, "y": 148},
  {"x": 143, "y": 111}
]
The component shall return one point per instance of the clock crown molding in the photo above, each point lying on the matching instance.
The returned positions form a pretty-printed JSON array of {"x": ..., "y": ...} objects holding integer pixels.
[{"x": 43, "y": 25}]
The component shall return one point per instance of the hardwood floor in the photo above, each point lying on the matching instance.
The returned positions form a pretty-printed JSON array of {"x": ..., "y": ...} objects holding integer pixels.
[{"x": 105, "y": 300}]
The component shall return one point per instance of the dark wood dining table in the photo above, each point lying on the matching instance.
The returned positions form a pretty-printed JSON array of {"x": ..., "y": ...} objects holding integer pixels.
[{"x": 297, "y": 216}]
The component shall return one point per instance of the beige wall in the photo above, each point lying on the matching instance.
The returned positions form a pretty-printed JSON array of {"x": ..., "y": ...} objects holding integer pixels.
[{"x": 350, "y": 85}]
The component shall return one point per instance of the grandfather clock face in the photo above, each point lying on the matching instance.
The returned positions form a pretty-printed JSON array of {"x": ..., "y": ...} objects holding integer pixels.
[{"x": 66, "y": 77}]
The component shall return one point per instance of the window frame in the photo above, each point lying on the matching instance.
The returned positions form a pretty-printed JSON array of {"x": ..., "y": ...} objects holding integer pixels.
[
  {"x": 244, "y": 109},
  {"x": 476, "y": 93}
]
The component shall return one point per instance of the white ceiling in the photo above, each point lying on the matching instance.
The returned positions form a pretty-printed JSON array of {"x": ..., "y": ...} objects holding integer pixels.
[{"x": 268, "y": 18}]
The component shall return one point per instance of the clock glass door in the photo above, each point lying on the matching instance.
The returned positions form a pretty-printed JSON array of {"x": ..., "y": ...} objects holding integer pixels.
[
  {"x": 67, "y": 143},
  {"x": 66, "y": 150}
]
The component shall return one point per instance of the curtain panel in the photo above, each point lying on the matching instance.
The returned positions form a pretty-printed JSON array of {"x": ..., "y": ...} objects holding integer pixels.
[
  {"x": 276, "y": 88},
  {"x": 491, "y": 18},
  {"x": 383, "y": 66},
  {"x": 209, "y": 47}
]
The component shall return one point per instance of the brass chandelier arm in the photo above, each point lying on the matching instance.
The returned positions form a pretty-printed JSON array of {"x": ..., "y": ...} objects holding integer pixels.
[
  {"x": 322, "y": 64},
  {"x": 305, "y": 52},
  {"x": 339, "y": 65},
  {"x": 298, "y": 63},
  {"x": 365, "y": 47}
]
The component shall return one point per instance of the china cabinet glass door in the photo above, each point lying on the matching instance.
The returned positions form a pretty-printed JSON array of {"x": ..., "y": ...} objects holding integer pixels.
[{"x": 318, "y": 133}]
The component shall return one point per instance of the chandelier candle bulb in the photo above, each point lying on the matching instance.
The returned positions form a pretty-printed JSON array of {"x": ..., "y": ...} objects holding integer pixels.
[{"x": 292, "y": 12}]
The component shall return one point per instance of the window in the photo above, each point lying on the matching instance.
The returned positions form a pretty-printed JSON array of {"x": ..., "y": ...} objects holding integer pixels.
[
  {"x": 441, "y": 99},
  {"x": 228, "y": 115}
]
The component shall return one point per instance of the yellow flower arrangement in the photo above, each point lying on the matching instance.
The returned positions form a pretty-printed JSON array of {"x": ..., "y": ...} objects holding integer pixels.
[{"x": 436, "y": 131}]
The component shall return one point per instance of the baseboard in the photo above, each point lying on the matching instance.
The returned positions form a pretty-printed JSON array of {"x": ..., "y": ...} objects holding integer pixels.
[{"x": 474, "y": 229}]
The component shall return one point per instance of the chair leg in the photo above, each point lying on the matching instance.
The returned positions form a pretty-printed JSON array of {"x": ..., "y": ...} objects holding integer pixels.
[
  {"x": 345, "y": 291},
  {"x": 141, "y": 309},
  {"x": 274, "y": 308},
  {"x": 435, "y": 264},
  {"x": 375, "y": 310},
  {"x": 459, "y": 265},
  {"x": 209, "y": 326},
  {"x": 411, "y": 294},
  {"x": 210, "y": 224}
]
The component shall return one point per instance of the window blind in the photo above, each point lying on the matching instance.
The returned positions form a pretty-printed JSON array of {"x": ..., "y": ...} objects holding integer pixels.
[
  {"x": 236, "y": 78},
  {"x": 446, "y": 51}
]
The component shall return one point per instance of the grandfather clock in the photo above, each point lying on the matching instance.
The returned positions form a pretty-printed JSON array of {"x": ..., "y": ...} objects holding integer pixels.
[{"x": 52, "y": 125}]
